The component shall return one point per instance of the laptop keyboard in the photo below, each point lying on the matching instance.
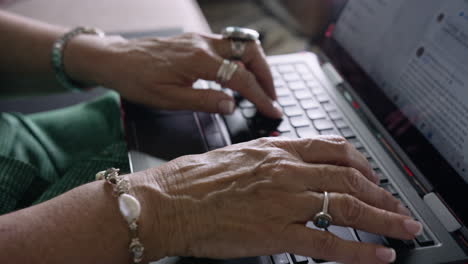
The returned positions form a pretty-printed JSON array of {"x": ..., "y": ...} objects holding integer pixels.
[{"x": 308, "y": 111}]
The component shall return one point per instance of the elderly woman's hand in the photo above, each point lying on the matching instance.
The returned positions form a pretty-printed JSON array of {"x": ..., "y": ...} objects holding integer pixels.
[
  {"x": 255, "y": 199},
  {"x": 160, "y": 72}
]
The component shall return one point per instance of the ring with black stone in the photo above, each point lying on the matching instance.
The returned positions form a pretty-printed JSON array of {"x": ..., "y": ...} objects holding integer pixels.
[{"x": 323, "y": 219}]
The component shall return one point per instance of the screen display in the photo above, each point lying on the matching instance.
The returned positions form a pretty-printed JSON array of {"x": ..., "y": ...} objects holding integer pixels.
[
  {"x": 405, "y": 59},
  {"x": 419, "y": 57}
]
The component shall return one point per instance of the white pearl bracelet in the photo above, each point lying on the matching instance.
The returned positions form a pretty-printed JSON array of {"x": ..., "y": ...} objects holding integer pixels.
[{"x": 129, "y": 207}]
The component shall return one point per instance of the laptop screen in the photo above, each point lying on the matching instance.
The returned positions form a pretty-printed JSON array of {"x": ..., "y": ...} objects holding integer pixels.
[{"x": 408, "y": 61}]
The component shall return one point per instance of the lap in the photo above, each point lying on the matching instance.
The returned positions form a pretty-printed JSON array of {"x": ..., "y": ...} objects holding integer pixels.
[{"x": 59, "y": 149}]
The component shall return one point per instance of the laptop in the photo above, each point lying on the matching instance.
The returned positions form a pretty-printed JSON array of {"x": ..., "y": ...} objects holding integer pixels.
[{"x": 389, "y": 76}]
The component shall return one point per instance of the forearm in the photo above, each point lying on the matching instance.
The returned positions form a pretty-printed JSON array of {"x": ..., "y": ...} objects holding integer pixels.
[
  {"x": 25, "y": 52},
  {"x": 81, "y": 226}
]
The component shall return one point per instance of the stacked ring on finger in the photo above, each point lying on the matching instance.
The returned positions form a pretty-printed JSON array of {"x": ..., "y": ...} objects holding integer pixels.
[
  {"x": 226, "y": 71},
  {"x": 239, "y": 37}
]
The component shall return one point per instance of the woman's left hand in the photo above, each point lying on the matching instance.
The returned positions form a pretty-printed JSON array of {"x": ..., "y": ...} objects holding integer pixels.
[{"x": 160, "y": 72}]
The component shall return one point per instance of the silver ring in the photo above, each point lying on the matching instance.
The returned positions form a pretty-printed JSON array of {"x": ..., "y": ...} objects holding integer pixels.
[
  {"x": 239, "y": 38},
  {"x": 238, "y": 49},
  {"x": 226, "y": 71},
  {"x": 323, "y": 219}
]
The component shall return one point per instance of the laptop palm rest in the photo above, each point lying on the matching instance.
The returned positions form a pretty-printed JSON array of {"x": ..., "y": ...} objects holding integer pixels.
[{"x": 156, "y": 136}]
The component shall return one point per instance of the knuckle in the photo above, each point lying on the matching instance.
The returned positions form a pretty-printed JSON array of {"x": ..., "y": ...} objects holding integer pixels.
[
  {"x": 354, "y": 180},
  {"x": 352, "y": 210},
  {"x": 265, "y": 141},
  {"x": 199, "y": 52},
  {"x": 386, "y": 198}
]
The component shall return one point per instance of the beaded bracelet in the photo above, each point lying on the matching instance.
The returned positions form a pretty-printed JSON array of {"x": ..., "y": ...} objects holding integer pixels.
[
  {"x": 129, "y": 207},
  {"x": 57, "y": 55}
]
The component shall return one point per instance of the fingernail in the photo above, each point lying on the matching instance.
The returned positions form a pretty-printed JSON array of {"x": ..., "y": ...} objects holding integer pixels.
[
  {"x": 277, "y": 112},
  {"x": 403, "y": 210},
  {"x": 386, "y": 254},
  {"x": 226, "y": 107},
  {"x": 413, "y": 227}
]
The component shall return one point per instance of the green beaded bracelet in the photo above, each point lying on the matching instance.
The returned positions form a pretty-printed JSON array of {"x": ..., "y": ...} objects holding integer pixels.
[{"x": 57, "y": 55}]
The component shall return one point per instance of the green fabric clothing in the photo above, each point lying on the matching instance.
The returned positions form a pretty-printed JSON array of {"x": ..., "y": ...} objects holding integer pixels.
[{"x": 45, "y": 154}]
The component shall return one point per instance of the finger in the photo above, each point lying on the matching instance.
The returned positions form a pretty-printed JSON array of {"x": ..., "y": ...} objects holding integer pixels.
[
  {"x": 318, "y": 244},
  {"x": 349, "y": 211},
  {"x": 320, "y": 178},
  {"x": 332, "y": 150},
  {"x": 199, "y": 100},
  {"x": 246, "y": 84},
  {"x": 254, "y": 59},
  {"x": 242, "y": 81}
]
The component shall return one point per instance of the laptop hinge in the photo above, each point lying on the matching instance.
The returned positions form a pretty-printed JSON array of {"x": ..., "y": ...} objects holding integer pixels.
[
  {"x": 443, "y": 214},
  {"x": 332, "y": 74}
]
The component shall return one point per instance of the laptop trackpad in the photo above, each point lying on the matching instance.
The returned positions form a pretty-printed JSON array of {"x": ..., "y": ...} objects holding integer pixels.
[{"x": 160, "y": 136}]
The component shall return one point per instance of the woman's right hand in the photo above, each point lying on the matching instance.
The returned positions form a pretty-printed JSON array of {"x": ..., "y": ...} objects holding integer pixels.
[{"x": 255, "y": 198}]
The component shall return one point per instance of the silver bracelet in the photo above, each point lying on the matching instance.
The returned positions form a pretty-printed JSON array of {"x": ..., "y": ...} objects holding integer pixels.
[
  {"x": 57, "y": 55},
  {"x": 129, "y": 207}
]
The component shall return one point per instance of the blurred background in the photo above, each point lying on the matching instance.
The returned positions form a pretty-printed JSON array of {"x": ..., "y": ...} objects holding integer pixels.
[{"x": 285, "y": 25}]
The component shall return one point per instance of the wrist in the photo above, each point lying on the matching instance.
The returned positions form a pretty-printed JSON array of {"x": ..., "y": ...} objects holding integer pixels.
[
  {"x": 153, "y": 228},
  {"x": 87, "y": 58}
]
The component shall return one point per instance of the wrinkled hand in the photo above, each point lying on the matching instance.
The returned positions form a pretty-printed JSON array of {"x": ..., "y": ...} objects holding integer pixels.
[
  {"x": 160, "y": 72},
  {"x": 254, "y": 199}
]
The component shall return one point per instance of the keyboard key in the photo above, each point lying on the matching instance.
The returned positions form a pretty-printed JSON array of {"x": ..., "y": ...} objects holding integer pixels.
[
  {"x": 307, "y": 132},
  {"x": 303, "y": 94},
  {"x": 279, "y": 82},
  {"x": 215, "y": 86},
  {"x": 370, "y": 238},
  {"x": 291, "y": 77},
  {"x": 340, "y": 123},
  {"x": 364, "y": 152},
  {"x": 292, "y": 111},
  {"x": 299, "y": 121},
  {"x": 424, "y": 240},
  {"x": 282, "y": 92},
  {"x": 309, "y": 104},
  {"x": 335, "y": 115},
  {"x": 323, "y": 98},
  {"x": 330, "y": 132},
  {"x": 246, "y": 104},
  {"x": 298, "y": 85},
  {"x": 286, "y": 101},
  {"x": 323, "y": 124},
  {"x": 355, "y": 142},
  {"x": 314, "y": 85},
  {"x": 308, "y": 77},
  {"x": 249, "y": 112},
  {"x": 280, "y": 258},
  {"x": 289, "y": 134},
  {"x": 286, "y": 68},
  {"x": 329, "y": 107},
  {"x": 274, "y": 72},
  {"x": 302, "y": 68},
  {"x": 399, "y": 245},
  {"x": 373, "y": 163},
  {"x": 347, "y": 133},
  {"x": 342, "y": 232},
  {"x": 389, "y": 188},
  {"x": 285, "y": 126},
  {"x": 316, "y": 113},
  {"x": 383, "y": 178},
  {"x": 300, "y": 259}
]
